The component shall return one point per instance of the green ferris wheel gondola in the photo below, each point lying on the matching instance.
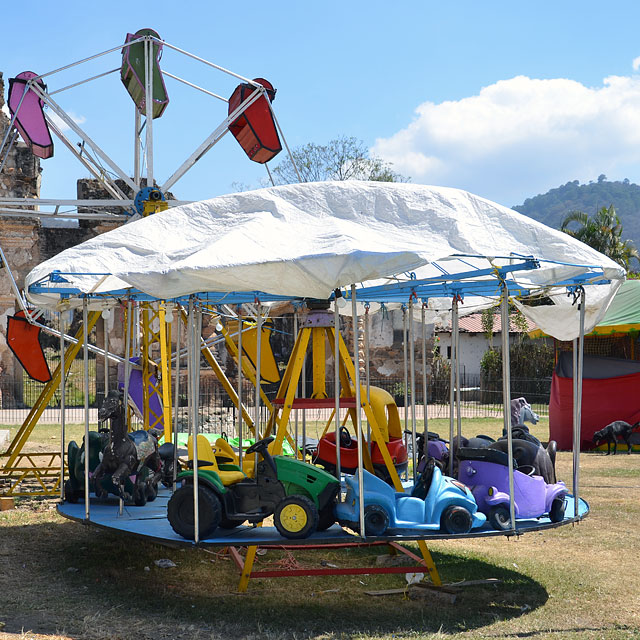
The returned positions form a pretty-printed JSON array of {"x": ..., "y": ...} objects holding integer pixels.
[{"x": 133, "y": 73}]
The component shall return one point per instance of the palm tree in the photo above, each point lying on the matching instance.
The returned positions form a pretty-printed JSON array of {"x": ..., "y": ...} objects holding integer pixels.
[{"x": 602, "y": 232}]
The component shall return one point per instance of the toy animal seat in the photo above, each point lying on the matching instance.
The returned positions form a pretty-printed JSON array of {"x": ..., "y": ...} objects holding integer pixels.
[{"x": 207, "y": 460}]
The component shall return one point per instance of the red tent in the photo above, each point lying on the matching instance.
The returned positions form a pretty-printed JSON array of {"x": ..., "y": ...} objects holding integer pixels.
[{"x": 610, "y": 389}]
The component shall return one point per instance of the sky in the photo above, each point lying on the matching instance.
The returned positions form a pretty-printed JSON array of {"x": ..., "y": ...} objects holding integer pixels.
[{"x": 503, "y": 99}]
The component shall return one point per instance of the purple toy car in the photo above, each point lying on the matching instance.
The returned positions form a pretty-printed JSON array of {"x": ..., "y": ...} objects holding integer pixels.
[{"x": 486, "y": 472}]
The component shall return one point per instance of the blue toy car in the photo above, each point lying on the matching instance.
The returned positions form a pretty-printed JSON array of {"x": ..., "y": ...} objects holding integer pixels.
[{"x": 436, "y": 502}]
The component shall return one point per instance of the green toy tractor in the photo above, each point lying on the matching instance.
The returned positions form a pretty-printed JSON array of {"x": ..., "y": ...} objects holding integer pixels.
[{"x": 300, "y": 496}]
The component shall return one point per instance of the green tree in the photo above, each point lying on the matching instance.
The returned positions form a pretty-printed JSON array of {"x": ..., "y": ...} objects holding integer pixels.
[
  {"x": 602, "y": 232},
  {"x": 344, "y": 158}
]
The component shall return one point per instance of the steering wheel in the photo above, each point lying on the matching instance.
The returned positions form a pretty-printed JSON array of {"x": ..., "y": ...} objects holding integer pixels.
[
  {"x": 345, "y": 437},
  {"x": 260, "y": 445},
  {"x": 527, "y": 469}
]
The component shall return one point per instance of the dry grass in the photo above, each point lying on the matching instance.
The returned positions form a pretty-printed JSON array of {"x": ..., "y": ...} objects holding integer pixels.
[{"x": 59, "y": 579}]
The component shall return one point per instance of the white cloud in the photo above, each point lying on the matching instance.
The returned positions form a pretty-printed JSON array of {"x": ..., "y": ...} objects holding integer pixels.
[
  {"x": 636, "y": 63},
  {"x": 522, "y": 136}
]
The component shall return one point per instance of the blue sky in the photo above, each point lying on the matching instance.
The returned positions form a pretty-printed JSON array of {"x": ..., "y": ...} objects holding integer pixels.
[{"x": 504, "y": 99}]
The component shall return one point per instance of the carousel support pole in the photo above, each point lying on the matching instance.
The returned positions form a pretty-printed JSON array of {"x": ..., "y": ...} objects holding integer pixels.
[
  {"x": 336, "y": 381},
  {"x": 452, "y": 380},
  {"x": 165, "y": 316},
  {"x": 405, "y": 370},
  {"x": 295, "y": 395},
  {"x": 367, "y": 370},
  {"x": 106, "y": 314},
  {"x": 577, "y": 403},
  {"x": 358, "y": 409},
  {"x": 127, "y": 352},
  {"x": 458, "y": 392},
  {"x": 303, "y": 391},
  {"x": 127, "y": 373},
  {"x": 194, "y": 383},
  {"x": 85, "y": 353},
  {"x": 412, "y": 372},
  {"x": 506, "y": 395},
  {"x": 239, "y": 391},
  {"x": 258, "y": 377},
  {"x": 176, "y": 393},
  {"x": 424, "y": 375},
  {"x": 62, "y": 402}
]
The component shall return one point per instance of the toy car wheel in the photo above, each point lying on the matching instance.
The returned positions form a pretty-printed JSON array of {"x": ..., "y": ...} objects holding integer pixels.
[
  {"x": 140, "y": 495},
  {"x": 376, "y": 520},
  {"x": 180, "y": 511},
  {"x": 152, "y": 492},
  {"x": 456, "y": 519},
  {"x": 296, "y": 517},
  {"x": 70, "y": 494},
  {"x": 499, "y": 518},
  {"x": 557, "y": 510},
  {"x": 326, "y": 517}
]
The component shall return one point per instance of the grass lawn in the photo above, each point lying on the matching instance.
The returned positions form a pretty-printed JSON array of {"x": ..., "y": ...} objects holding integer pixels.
[{"x": 62, "y": 579}]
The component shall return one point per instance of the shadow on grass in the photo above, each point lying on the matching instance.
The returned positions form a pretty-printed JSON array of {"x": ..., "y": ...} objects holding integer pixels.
[{"x": 110, "y": 582}]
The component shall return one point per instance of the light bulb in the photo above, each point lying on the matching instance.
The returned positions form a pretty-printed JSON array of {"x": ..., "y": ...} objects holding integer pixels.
[
  {"x": 106, "y": 314},
  {"x": 219, "y": 327},
  {"x": 341, "y": 302}
]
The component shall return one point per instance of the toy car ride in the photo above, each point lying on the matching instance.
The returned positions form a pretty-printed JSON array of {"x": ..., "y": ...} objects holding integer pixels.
[
  {"x": 436, "y": 502},
  {"x": 301, "y": 497},
  {"x": 486, "y": 472},
  {"x": 386, "y": 414}
]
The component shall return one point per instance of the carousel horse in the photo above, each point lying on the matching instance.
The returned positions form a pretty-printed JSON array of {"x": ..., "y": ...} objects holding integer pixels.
[{"x": 126, "y": 454}]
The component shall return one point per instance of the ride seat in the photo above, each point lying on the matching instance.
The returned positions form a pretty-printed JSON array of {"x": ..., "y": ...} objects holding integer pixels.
[
  {"x": 224, "y": 449},
  {"x": 207, "y": 460}
]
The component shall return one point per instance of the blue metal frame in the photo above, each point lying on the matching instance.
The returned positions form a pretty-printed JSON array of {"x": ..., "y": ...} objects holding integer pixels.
[{"x": 474, "y": 282}]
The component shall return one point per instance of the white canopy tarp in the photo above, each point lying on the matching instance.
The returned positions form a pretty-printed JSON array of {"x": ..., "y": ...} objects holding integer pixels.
[{"x": 306, "y": 240}]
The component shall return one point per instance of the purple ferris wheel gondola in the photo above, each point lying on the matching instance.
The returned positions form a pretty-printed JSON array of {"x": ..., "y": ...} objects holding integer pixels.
[{"x": 27, "y": 109}]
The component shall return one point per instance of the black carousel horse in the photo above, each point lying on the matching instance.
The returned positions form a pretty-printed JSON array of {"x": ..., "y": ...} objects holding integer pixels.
[{"x": 127, "y": 455}]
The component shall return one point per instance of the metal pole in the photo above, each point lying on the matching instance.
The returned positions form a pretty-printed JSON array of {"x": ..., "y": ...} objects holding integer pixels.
[
  {"x": 258, "y": 372},
  {"x": 295, "y": 395},
  {"x": 148, "y": 56},
  {"x": 127, "y": 354},
  {"x": 127, "y": 373},
  {"x": 457, "y": 368},
  {"x": 336, "y": 383},
  {"x": 405, "y": 366},
  {"x": 105, "y": 322},
  {"x": 176, "y": 406},
  {"x": 194, "y": 348},
  {"x": 239, "y": 392},
  {"x": 506, "y": 396},
  {"x": 424, "y": 377},
  {"x": 367, "y": 319},
  {"x": 85, "y": 353},
  {"x": 412, "y": 373},
  {"x": 62, "y": 403},
  {"x": 452, "y": 381},
  {"x": 577, "y": 403},
  {"x": 358, "y": 409}
]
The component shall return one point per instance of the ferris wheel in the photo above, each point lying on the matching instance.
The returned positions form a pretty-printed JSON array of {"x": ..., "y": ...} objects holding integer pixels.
[{"x": 41, "y": 109}]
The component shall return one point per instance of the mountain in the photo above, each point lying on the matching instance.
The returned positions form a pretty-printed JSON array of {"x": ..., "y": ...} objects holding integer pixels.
[{"x": 552, "y": 207}]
